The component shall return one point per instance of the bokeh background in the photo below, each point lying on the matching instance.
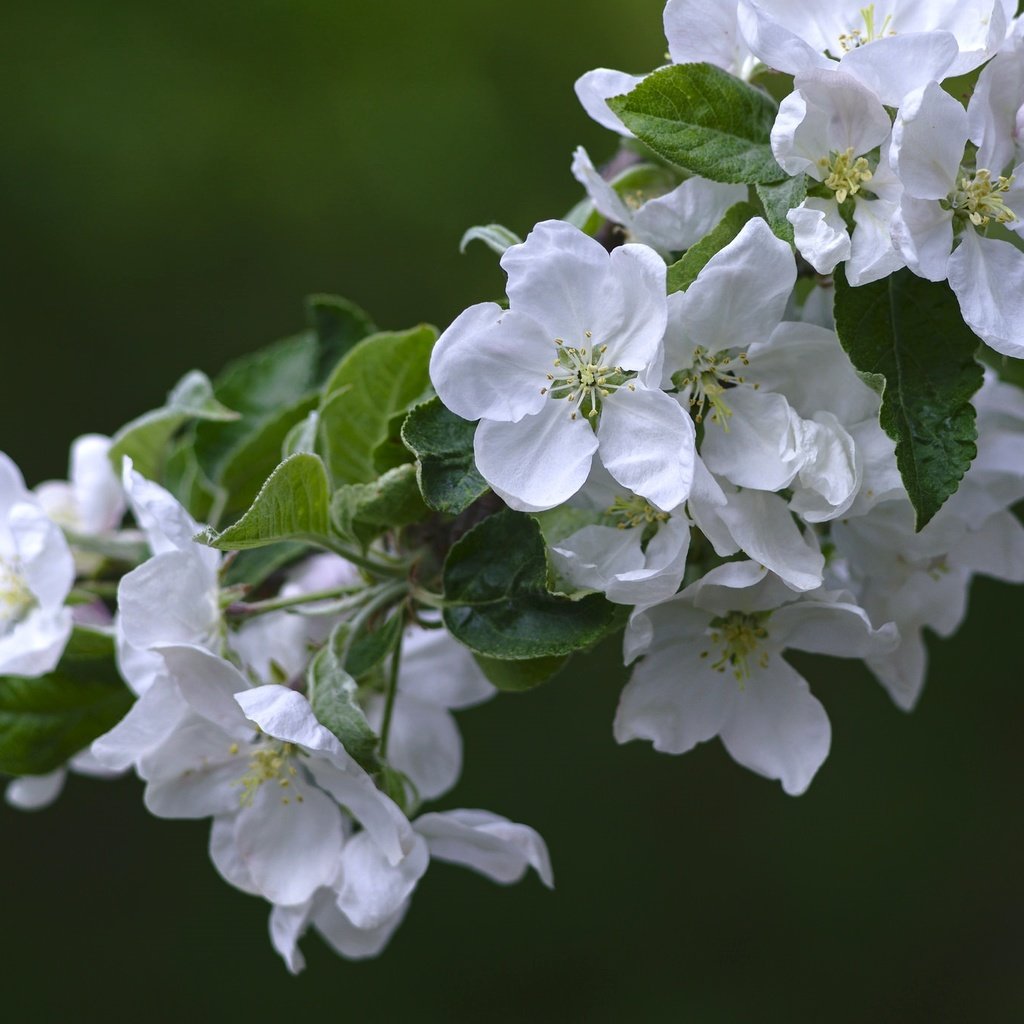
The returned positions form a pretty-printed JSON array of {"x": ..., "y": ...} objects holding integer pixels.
[{"x": 176, "y": 177}]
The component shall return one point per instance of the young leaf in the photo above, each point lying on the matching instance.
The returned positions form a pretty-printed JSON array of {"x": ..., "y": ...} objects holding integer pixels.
[
  {"x": 382, "y": 376},
  {"x": 146, "y": 439},
  {"x": 443, "y": 445},
  {"x": 778, "y": 200},
  {"x": 332, "y": 693},
  {"x": 44, "y": 721},
  {"x": 702, "y": 119},
  {"x": 498, "y": 605},
  {"x": 370, "y": 647},
  {"x": 496, "y": 237},
  {"x": 392, "y": 501},
  {"x": 517, "y": 676},
  {"x": 338, "y": 325},
  {"x": 291, "y": 505},
  {"x": 908, "y": 333},
  {"x": 255, "y": 566},
  {"x": 684, "y": 271}
]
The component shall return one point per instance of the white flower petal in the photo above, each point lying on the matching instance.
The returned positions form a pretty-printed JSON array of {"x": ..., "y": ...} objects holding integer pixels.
[
  {"x": 538, "y": 462},
  {"x": 289, "y": 847},
  {"x": 34, "y": 792},
  {"x": 928, "y": 141},
  {"x": 763, "y": 527},
  {"x": 372, "y": 890},
  {"x": 893, "y": 66},
  {"x": 820, "y": 233},
  {"x": 922, "y": 233},
  {"x": 778, "y": 728},
  {"x": 988, "y": 278},
  {"x": 496, "y": 847},
  {"x": 491, "y": 363},
  {"x": 648, "y": 445},
  {"x": 596, "y": 87}
]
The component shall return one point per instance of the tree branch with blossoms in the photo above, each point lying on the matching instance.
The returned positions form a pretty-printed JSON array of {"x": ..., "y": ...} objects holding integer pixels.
[{"x": 754, "y": 393}]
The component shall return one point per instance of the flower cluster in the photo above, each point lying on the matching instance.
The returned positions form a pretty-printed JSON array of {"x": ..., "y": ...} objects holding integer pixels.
[{"x": 751, "y": 395}]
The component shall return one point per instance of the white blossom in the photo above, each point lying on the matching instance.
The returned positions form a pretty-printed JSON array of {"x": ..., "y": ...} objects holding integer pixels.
[
  {"x": 36, "y": 575},
  {"x": 713, "y": 666},
  {"x": 570, "y": 370}
]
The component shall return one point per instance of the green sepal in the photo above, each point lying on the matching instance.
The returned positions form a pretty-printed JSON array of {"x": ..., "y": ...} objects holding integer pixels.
[
  {"x": 496, "y": 597},
  {"x": 46, "y": 720},
  {"x": 705, "y": 120},
  {"x": 684, "y": 271},
  {"x": 907, "y": 339},
  {"x": 443, "y": 445}
]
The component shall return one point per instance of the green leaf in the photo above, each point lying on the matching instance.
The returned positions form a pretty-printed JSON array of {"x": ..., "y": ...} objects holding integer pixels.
[
  {"x": 390, "y": 502},
  {"x": 384, "y": 375},
  {"x": 370, "y": 647},
  {"x": 498, "y": 604},
  {"x": 908, "y": 333},
  {"x": 778, "y": 200},
  {"x": 496, "y": 237},
  {"x": 253, "y": 460},
  {"x": 274, "y": 389},
  {"x": 517, "y": 676},
  {"x": 684, "y": 271},
  {"x": 146, "y": 439},
  {"x": 302, "y": 437},
  {"x": 291, "y": 505},
  {"x": 443, "y": 445},
  {"x": 255, "y": 566},
  {"x": 702, "y": 119},
  {"x": 338, "y": 325},
  {"x": 44, "y": 721},
  {"x": 185, "y": 479},
  {"x": 332, "y": 693}
]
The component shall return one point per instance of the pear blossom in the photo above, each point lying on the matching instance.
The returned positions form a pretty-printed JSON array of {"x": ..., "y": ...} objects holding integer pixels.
[
  {"x": 824, "y": 129},
  {"x": 947, "y": 204},
  {"x": 713, "y": 666},
  {"x": 668, "y": 223},
  {"x": 893, "y": 47},
  {"x": 568, "y": 372},
  {"x": 366, "y": 901},
  {"x": 36, "y": 574}
]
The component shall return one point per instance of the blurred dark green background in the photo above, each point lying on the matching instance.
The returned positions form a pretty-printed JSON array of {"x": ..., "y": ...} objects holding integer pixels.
[{"x": 175, "y": 178}]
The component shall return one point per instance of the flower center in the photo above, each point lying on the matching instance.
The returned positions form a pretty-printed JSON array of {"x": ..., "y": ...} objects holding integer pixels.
[
  {"x": 16, "y": 600},
  {"x": 735, "y": 638},
  {"x": 844, "y": 174},
  {"x": 635, "y": 511},
  {"x": 979, "y": 199},
  {"x": 708, "y": 378},
  {"x": 269, "y": 762},
  {"x": 582, "y": 377},
  {"x": 858, "y": 37}
]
